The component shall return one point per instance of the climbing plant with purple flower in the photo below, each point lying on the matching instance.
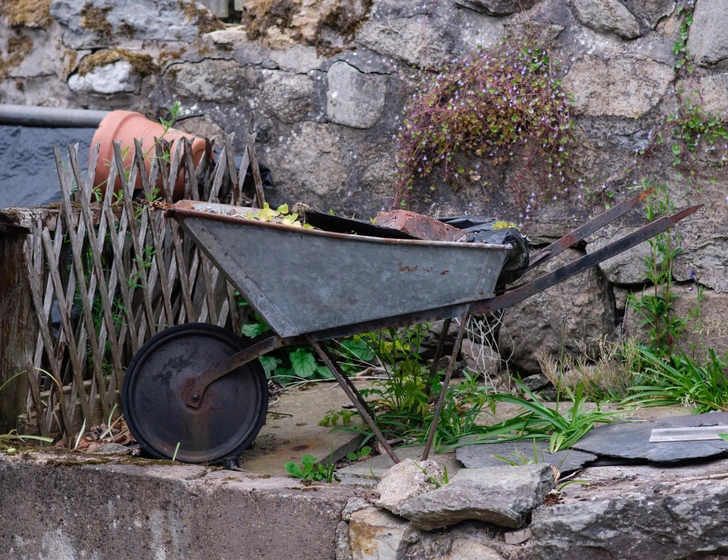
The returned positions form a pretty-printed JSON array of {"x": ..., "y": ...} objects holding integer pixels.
[{"x": 484, "y": 105}]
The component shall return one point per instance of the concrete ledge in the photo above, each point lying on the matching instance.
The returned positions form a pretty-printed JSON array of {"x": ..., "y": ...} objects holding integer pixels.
[{"x": 63, "y": 506}]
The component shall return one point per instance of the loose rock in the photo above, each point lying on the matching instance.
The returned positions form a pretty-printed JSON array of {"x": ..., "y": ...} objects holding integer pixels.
[
  {"x": 375, "y": 534},
  {"x": 406, "y": 480},
  {"x": 503, "y": 496}
]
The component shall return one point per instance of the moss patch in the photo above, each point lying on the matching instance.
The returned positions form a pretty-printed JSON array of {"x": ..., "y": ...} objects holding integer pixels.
[
  {"x": 94, "y": 18},
  {"x": 141, "y": 64},
  {"x": 27, "y": 13},
  {"x": 324, "y": 24},
  {"x": 259, "y": 16},
  {"x": 16, "y": 50},
  {"x": 344, "y": 22},
  {"x": 203, "y": 18}
]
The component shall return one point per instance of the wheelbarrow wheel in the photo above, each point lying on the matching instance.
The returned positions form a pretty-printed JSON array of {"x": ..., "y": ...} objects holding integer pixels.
[{"x": 155, "y": 389}]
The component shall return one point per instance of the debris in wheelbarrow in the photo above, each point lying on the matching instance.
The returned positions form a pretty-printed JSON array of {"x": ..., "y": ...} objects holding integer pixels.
[
  {"x": 469, "y": 229},
  {"x": 181, "y": 391}
]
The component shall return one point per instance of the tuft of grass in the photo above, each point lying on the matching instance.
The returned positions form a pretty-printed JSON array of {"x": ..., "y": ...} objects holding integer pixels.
[{"x": 678, "y": 380}]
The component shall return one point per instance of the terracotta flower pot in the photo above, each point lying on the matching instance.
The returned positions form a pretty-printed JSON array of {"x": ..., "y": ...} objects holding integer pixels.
[{"x": 125, "y": 126}]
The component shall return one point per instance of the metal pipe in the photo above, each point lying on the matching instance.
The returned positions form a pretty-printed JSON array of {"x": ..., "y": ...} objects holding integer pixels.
[{"x": 51, "y": 117}]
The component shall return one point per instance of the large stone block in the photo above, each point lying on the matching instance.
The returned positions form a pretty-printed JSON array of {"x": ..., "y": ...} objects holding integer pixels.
[
  {"x": 287, "y": 96},
  {"x": 119, "y": 510},
  {"x": 375, "y": 534},
  {"x": 116, "y": 77},
  {"x": 95, "y": 23},
  {"x": 496, "y": 7},
  {"x": 354, "y": 99},
  {"x": 407, "y": 40},
  {"x": 621, "y": 86},
  {"x": 503, "y": 496},
  {"x": 650, "y": 11},
  {"x": 406, "y": 480},
  {"x": 309, "y": 163},
  {"x": 671, "y": 521},
  {"x": 608, "y": 16},
  {"x": 213, "y": 80},
  {"x": 567, "y": 316},
  {"x": 708, "y": 42}
]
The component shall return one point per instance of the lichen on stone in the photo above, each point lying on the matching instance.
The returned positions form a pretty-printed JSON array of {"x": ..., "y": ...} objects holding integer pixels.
[
  {"x": 142, "y": 64},
  {"x": 16, "y": 49},
  {"x": 27, "y": 13},
  {"x": 94, "y": 18},
  {"x": 280, "y": 24},
  {"x": 203, "y": 18}
]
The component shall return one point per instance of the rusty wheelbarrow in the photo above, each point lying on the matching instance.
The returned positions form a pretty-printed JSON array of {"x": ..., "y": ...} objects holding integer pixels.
[{"x": 197, "y": 392}]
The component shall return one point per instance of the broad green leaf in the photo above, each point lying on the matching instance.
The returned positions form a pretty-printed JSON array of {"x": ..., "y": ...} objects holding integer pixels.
[
  {"x": 293, "y": 469},
  {"x": 251, "y": 330},
  {"x": 303, "y": 363}
]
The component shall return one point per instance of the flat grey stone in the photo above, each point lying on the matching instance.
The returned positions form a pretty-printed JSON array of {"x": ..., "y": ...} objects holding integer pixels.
[
  {"x": 485, "y": 455},
  {"x": 503, "y": 496},
  {"x": 638, "y": 519},
  {"x": 630, "y": 440}
]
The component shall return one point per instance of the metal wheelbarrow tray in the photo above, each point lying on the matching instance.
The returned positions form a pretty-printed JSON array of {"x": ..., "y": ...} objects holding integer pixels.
[{"x": 196, "y": 392}]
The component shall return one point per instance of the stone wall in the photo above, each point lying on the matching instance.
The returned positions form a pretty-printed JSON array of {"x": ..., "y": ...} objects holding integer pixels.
[{"x": 323, "y": 85}]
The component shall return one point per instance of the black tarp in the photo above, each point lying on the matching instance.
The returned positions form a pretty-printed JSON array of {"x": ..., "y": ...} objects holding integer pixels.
[{"x": 28, "y": 175}]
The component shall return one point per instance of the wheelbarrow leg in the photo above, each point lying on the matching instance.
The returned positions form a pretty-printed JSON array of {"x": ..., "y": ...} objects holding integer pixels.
[
  {"x": 354, "y": 396},
  {"x": 438, "y": 353},
  {"x": 445, "y": 383}
]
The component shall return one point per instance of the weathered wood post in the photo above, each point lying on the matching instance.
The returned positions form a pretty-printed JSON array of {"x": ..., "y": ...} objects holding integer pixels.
[{"x": 18, "y": 324}]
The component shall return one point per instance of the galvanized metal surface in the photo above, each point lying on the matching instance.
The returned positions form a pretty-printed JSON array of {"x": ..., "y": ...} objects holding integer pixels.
[
  {"x": 587, "y": 229},
  {"x": 303, "y": 281}
]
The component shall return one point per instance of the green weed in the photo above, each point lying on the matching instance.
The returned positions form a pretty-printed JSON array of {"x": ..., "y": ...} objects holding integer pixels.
[{"x": 311, "y": 469}]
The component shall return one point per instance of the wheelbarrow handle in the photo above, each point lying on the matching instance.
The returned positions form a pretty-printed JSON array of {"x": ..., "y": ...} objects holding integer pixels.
[
  {"x": 565, "y": 272},
  {"x": 587, "y": 229}
]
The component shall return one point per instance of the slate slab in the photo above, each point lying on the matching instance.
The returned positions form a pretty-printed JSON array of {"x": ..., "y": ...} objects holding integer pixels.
[
  {"x": 486, "y": 455},
  {"x": 631, "y": 440}
]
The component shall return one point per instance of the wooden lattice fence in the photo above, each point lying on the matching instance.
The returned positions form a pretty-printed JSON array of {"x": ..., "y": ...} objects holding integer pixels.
[{"x": 111, "y": 271}]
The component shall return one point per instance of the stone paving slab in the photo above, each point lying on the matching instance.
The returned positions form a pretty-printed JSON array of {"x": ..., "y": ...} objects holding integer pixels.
[
  {"x": 631, "y": 440},
  {"x": 292, "y": 430},
  {"x": 520, "y": 452}
]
